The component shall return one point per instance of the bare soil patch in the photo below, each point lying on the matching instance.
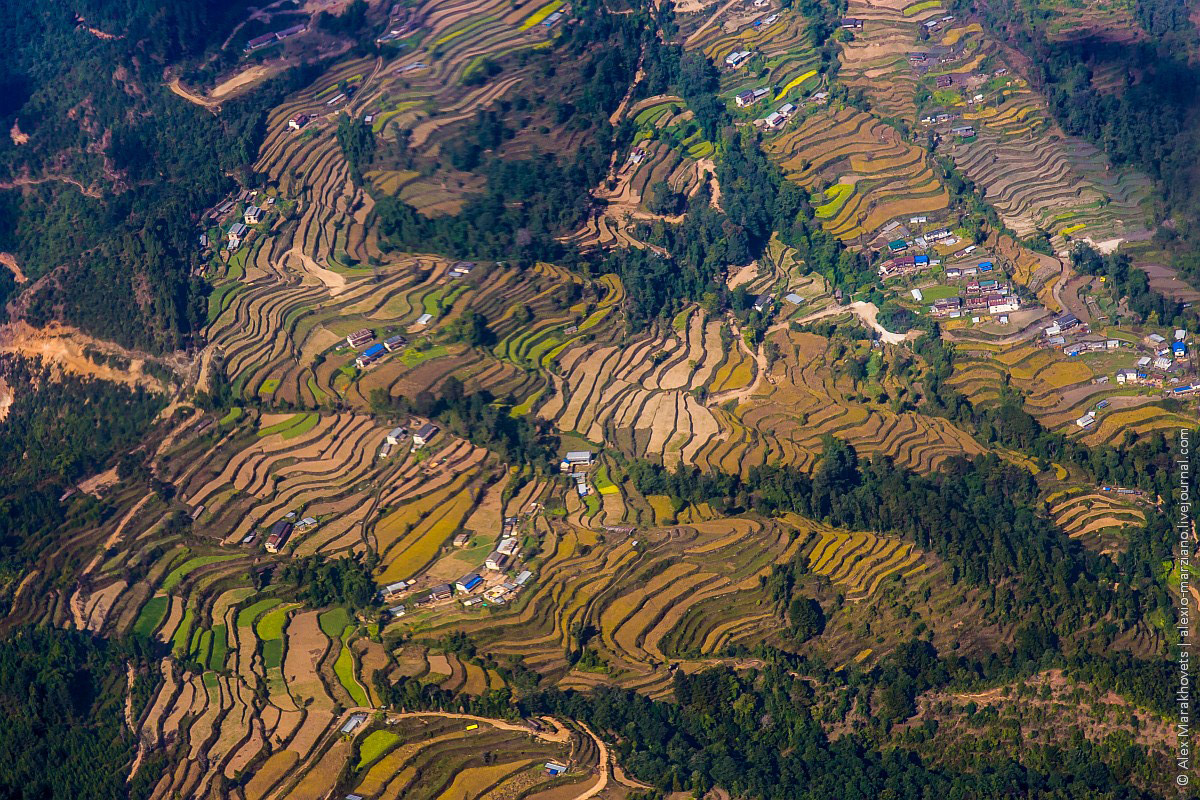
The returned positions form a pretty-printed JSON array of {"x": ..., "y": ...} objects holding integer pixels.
[
  {"x": 240, "y": 81},
  {"x": 64, "y": 346},
  {"x": 9, "y": 260}
]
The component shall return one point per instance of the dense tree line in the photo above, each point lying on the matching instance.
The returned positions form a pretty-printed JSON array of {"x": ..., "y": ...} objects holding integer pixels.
[
  {"x": 980, "y": 516},
  {"x": 63, "y": 698},
  {"x": 1151, "y": 464},
  {"x": 759, "y": 734},
  {"x": 1126, "y": 283},
  {"x": 357, "y": 142},
  {"x": 342, "y": 581},
  {"x": 59, "y": 428}
]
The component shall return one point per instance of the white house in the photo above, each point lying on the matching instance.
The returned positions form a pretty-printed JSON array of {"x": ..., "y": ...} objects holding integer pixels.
[
  {"x": 737, "y": 58},
  {"x": 237, "y": 232}
]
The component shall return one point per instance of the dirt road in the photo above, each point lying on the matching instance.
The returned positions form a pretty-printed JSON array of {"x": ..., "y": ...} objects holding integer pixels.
[
  {"x": 868, "y": 313},
  {"x": 711, "y": 19}
]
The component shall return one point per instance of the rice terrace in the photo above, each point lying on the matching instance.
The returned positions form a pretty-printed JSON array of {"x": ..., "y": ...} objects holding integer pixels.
[{"x": 619, "y": 399}]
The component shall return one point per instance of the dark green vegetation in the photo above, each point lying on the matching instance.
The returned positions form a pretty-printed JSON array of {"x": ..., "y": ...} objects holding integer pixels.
[
  {"x": 60, "y": 428},
  {"x": 344, "y": 581},
  {"x": 978, "y": 515},
  {"x": 63, "y": 700},
  {"x": 756, "y": 733},
  {"x": 117, "y": 169},
  {"x": 1124, "y": 282}
]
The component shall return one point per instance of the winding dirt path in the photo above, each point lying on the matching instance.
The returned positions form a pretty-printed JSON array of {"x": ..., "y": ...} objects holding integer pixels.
[
  {"x": 868, "y": 313},
  {"x": 711, "y": 20}
]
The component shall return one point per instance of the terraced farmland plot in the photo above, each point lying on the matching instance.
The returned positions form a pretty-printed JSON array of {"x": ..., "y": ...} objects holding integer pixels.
[
  {"x": 860, "y": 563},
  {"x": 875, "y": 59},
  {"x": 784, "y": 419},
  {"x": 325, "y": 472},
  {"x": 1060, "y": 389},
  {"x": 786, "y": 47},
  {"x": 431, "y": 756},
  {"x": 673, "y": 152},
  {"x": 703, "y": 576},
  {"x": 1046, "y": 180},
  {"x": 424, "y": 505},
  {"x": 1098, "y": 519},
  {"x": 885, "y": 177},
  {"x": 638, "y": 396}
]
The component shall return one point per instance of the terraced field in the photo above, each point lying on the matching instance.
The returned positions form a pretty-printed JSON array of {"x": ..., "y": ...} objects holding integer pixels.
[
  {"x": 1061, "y": 389},
  {"x": 866, "y": 173},
  {"x": 1097, "y": 518},
  {"x": 687, "y": 592},
  {"x": 430, "y": 756},
  {"x": 805, "y": 399},
  {"x": 875, "y": 59},
  {"x": 859, "y": 563},
  {"x": 789, "y": 58}
]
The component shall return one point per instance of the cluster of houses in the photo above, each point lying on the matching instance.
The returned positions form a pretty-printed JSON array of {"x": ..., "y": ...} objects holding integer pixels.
[
  {"x": 852, "y": 23},
  {"x": 461, "y": 269},
  {"x": 485, "y": 585},
  {"x": 969, "y": 271},
  {"x": 940, "y": 118},
  {"x": 999, "y": 302},
  {"x": 935, "y": 25},
  {"x": 364, "y": 337},
  {"x": 1160, "y": 368},
  {"x": 239, "y": 230},
  {"x": 905, "y": 265},
  {"x": 402, "y": 20},
  {"x": 259, "y": 42},
  {"x": 573, "y": 463},
  {"x": 941, "y": 236},
  {"x": 778, "y": 117},
  {"x": 425, "y": 433},
  {"x": 280, "y": 532},
  {"x": 921, "y": 61}
]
